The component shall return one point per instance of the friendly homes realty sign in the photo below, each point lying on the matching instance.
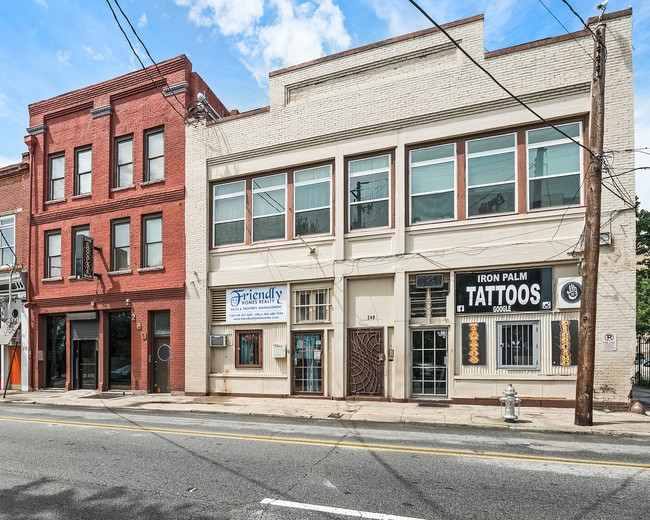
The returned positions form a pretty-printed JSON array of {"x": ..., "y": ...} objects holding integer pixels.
[
  {"x": 504, "y": 291},
  {"x": 257, "y": 304}
]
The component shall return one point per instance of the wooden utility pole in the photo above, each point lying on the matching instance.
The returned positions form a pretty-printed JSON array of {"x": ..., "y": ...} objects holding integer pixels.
[{"x": 586, "y": 353}]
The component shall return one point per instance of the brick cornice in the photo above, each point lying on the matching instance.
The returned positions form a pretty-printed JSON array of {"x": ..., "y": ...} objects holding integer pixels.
[{"x": 110, "y": 206}]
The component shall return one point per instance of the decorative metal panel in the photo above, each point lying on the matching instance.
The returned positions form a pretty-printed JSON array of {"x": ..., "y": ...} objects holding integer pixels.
[{"x": 366, "y": 362}]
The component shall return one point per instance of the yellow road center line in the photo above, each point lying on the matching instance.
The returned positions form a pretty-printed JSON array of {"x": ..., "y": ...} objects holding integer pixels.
[{"x": 337, "y": 444}]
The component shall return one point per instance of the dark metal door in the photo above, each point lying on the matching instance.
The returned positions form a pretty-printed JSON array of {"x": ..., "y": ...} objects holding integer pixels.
[
  {"x": 161, "y": 356},
  {"x": 85, "y": 364},
  {"x": 642, "y": 362},
  {"x": 366, "y": 362}
]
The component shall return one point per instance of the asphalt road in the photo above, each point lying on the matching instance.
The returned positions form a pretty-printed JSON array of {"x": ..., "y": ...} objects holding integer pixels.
[{"x": 58, "y": 463}]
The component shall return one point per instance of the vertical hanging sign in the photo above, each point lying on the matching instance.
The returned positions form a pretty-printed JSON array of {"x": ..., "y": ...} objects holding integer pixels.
[{"x": 87, "y": 258}]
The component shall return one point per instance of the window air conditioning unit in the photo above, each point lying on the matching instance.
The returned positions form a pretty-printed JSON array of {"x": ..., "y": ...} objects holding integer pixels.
[{"x": 219, "y": 340}]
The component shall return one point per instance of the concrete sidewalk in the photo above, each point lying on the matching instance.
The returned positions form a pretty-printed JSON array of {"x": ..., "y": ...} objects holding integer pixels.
[{"x": 530, "y": 419}]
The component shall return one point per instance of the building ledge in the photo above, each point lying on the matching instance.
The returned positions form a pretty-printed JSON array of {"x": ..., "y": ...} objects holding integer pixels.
[
  {"x": 120, "y": 272},
  {"x": 55, "y": 201},
  {"x": 123, "y": 188},
  {"x": 52, "y": 279},
  {"x": 82, "y": 196},
  {"x": 153, "y": 269},
  {"x": 150, "y": 183}
]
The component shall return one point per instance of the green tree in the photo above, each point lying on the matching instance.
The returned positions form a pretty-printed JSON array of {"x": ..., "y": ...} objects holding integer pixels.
[{"x": 643, "y": 273}]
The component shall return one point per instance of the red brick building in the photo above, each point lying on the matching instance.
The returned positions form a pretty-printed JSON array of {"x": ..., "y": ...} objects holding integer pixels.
[
  {"x": 14, "y": 250},
  {"x": 109, "y": 164}
]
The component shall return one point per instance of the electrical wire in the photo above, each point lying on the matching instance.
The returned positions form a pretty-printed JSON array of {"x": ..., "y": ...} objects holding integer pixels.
[
  {"x": 567, "y": 31},
  {"x": 496, "y": 81},
  {"x": 140, "y": 60},
  {"x": 147, "y": 51},
  {"x": 580, "y": 18}
]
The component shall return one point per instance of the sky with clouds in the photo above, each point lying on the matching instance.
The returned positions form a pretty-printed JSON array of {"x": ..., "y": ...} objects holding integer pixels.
[{"x": 48, "y": 47}]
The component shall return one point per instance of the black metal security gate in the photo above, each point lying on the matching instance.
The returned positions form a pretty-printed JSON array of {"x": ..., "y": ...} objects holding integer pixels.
[{"x": 642, "y": 362}]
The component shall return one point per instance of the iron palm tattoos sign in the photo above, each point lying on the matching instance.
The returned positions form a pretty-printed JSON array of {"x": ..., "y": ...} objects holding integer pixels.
[{"x": 518, "y": 290}]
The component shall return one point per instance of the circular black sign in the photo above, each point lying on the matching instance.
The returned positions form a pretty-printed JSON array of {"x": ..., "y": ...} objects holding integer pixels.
[
  {"x": 164, "y": 353},
  {"x": 571, "y": 292}
]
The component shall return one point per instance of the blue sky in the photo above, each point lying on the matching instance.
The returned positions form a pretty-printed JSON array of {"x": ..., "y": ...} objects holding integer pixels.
[{"x": 48, "y": 47}]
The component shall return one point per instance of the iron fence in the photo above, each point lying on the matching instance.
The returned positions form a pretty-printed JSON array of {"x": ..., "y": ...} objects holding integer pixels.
[{"x": 642, "y": 362}]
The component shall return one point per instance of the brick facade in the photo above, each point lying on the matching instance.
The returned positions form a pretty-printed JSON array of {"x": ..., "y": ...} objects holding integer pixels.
[
  {"x": 390, "y": 98},
  {"x": 14, "y": 214},
  {"x": 95, "y": 118}
]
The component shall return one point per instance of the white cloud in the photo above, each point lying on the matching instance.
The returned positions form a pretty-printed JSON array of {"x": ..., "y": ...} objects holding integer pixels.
[
  {"x": 230, "y": 17},
  {"x": 271, "y": 34},
  {"x": 63, "y": 57},
  {"x": 142, "y": 22},
  {"x": 42, "y": 3},
  {"x": 96, "y": 55}
]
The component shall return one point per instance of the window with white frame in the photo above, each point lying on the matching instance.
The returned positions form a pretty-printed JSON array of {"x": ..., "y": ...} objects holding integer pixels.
[
  {"x": 83, "y": 171},
  {"x": 369, "y": 192},
  {"x": 7, "y": 239},
  {"x": 120, "y": 244},
  {"x": 269, "y": 207},
  {"x": 154, "y": 168},
  {"x": 491, "y": 167},
  {"x": 152, "y": 241},
  {"x": 56, "y": 185},
  {"x": 518, "y": 345},
  {"x": 124, "y": 161},
  {"x": 554, "y": 166},
  {"x": 77, "y": 247},
  {"x": 312, "y": 201},
  {"x": 53, "y": 254},
  {"x": 311, "y": 306},
  {"x": 229, "y": 213},
  {"x": 432, "y": 179}
]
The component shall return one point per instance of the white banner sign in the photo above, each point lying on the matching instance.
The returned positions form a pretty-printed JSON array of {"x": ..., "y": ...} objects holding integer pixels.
[{"x": 257, "y": 304}]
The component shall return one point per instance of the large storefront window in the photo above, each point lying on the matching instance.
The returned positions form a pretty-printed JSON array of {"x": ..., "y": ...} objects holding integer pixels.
[
  {"x": 119, "y": 348},
  {"x": 307, "y": 363},
  {"x": 55, "y": 365}
]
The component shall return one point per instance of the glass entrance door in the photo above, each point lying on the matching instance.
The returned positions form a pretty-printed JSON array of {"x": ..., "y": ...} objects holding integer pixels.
[
  {"x": 429, "y": 362},
  {"x": 85, "y": 364},
  {"x": 307, "y": 363}
]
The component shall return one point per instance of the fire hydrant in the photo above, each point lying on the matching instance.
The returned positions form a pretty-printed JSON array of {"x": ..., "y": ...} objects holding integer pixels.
[{"x": 510, "y": 404}]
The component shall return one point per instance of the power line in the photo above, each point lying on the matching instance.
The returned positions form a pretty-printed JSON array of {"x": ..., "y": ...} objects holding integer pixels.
[
  {"x": 579, "y": 18},
  {"x": 141, "y": 63},
  {"x": 505, "y": 89},
  {"x": 567, "y": 30},
  {"x": 146, "y": 50}
]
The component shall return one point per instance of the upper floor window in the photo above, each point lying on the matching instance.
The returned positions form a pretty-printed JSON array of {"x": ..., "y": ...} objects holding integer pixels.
[
  {"x": 229, "y": 213},
  {"x": 123, "y": 161},
  {"x": 121, "y": 244},
  {"x": 491, "y": 163},
  {"x": 152, "y": 253},
  {"x": 53, "y": 253},
  {"x": 311, "y": 306},
  {"x": 154, "y": 167},
  {"x": 554, "y": 167},
  {"x": 56, "y": 185},
  {"x": 432, "y": 181},
  {"x": 312, "y": 201},
  {"x": 369, "y": 192},
  {"x": 7, "y": 239},
  {"x": 83, "y": 171},
  {"x": 77, "y": 248},
  {"x": 269, "y": 207}
]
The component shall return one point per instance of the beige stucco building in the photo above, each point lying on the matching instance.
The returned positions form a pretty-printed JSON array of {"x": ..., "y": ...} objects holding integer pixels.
[{"x": 395, "y": 225}]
